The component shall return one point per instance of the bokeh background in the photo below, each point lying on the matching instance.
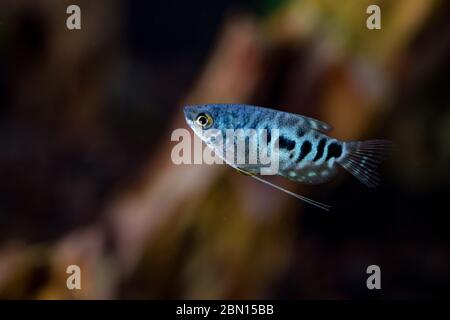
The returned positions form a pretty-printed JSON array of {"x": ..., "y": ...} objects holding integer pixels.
[{"x": 86, "y": 176}]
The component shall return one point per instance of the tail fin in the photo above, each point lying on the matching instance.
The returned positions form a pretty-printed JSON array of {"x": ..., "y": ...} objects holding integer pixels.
[{"x": 363, "y": 157}]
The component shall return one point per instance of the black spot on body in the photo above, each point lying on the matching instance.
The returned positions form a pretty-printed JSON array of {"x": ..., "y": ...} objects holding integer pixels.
[
  {"x": 320, "y": 149},
  {"x": 334, "y": 150},
  {"x": 300, "y": 132},
  {"x": 285, "y": 143},
  {"x": 304, "y": 150}
]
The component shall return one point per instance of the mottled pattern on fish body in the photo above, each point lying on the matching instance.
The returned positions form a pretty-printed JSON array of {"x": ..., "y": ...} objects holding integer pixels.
[{"x": 307, "y": 154}]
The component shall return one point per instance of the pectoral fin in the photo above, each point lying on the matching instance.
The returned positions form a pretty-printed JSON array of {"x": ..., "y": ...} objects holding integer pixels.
[
  {"x": 303, "y": 198},
  {"x": 245, "y": 173}
]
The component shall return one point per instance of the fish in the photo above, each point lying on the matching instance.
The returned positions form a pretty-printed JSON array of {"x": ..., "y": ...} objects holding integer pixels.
[{"x": 305, "y": 152}]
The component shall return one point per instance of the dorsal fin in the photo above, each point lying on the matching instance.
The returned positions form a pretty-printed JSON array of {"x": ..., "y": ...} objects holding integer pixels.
[{"x": 317, "y": 124}]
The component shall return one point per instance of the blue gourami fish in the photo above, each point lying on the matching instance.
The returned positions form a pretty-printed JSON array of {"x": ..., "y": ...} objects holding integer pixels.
[{"x": 305, "y": 152}]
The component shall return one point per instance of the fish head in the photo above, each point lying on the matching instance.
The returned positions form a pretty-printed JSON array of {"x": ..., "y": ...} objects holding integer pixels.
[
  {"x": 208, "y": 120},
  {"x": 204, "y": 116}
]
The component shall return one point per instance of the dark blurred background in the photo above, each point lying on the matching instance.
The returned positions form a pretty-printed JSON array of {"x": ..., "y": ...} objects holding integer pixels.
[{"x": 86, "y": 176}]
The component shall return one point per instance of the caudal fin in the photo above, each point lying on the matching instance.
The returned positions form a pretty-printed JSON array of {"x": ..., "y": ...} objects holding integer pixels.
[{"x": 363, "y": 157}]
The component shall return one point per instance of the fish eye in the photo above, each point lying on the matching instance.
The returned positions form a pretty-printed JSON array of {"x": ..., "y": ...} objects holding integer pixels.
[{"x": 204, "y": 120}]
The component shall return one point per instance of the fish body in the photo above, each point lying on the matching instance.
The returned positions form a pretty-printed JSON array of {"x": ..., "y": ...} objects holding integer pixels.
[
  {"x": 301, "y": 146},
  {"x": 306, "y": 153}
]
